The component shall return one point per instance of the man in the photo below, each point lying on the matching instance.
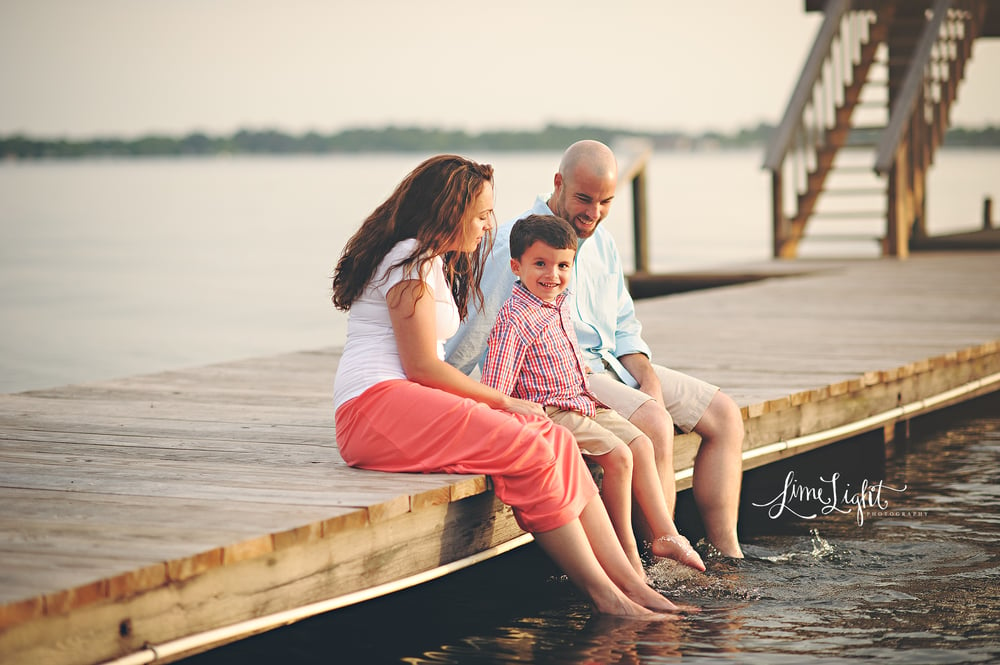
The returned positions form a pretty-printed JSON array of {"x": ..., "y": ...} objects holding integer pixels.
[{"x": 652, "y": 397}]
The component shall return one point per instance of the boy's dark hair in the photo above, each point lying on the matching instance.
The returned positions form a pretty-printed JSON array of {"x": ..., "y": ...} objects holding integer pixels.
[{"x": 553, "y": 231}]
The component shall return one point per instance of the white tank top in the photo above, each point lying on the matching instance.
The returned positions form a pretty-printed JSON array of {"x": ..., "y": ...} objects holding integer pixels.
[{"x": 370, "y": 354}]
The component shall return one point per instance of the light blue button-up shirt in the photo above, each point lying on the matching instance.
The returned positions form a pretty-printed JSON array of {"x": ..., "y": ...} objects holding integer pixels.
[{"x": 603, "y": 311}]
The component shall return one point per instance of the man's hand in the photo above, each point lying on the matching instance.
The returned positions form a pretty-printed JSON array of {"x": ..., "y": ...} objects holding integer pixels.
[{"x": 638, "y": 366}]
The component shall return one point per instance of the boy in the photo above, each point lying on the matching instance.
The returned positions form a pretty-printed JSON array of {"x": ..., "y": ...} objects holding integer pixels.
[{"x": 533, "y": 354}]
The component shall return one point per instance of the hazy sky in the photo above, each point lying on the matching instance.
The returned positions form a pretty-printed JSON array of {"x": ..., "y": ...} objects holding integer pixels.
[{"x": 129, "y": 67}]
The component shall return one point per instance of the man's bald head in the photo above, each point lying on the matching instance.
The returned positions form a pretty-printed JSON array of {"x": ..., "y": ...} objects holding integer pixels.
[
  {"x": 593, "y": 156},
  {"x": 585, "y": 185}
]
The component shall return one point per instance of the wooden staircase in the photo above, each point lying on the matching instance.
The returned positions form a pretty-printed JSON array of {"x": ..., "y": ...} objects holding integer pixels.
[{"x": 850, "y": 157}]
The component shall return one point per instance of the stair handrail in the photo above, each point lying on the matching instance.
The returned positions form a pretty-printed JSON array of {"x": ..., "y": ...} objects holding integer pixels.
[
  {"x": 779, "y": 144},
  {"x": 905, "y": 104}
]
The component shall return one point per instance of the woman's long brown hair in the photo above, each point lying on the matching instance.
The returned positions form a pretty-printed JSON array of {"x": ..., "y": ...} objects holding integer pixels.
[{"x": 429, "y": 205}]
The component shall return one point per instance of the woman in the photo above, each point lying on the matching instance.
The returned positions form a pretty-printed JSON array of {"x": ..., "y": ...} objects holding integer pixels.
[{"x": 407, "y": 277}]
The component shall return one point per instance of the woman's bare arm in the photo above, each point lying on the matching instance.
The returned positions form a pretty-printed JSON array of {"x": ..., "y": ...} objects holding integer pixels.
[{"x": 413, "y": 316}]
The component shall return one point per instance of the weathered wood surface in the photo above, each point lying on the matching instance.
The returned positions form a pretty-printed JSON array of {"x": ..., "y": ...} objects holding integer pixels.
[
  {"x": 769, "y": 340},
  {"x": 144, "y": 509}
]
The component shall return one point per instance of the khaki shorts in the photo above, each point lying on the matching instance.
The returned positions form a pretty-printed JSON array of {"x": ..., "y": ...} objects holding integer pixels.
[
  {"x": 685, "y": 397},
  {"x": 598, "y": 435}
]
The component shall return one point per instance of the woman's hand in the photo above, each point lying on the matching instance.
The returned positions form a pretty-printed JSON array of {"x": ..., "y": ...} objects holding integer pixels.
[{"x": 523, "y": 407}]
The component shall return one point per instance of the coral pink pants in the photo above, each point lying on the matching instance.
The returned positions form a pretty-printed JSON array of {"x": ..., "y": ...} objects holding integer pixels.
[{"x": 535, "y": 464}]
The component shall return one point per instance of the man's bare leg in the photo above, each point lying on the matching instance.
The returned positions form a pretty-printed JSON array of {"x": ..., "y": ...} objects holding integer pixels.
[{"x": 718, "y": 473}]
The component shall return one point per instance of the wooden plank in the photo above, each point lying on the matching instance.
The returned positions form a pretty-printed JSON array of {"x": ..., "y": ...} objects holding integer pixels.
[
  {"x": 30, "y": 505},
  {"x": 127, "y": 425},
  {"x": 300, "y": 414}
]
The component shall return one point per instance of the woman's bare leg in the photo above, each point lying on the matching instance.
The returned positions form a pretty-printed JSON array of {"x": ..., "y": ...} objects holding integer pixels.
[
  {"x": 609, "y": 553},
  {"x": 568, "y": 546}
]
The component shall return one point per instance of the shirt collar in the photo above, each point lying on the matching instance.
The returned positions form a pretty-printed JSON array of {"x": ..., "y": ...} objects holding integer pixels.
[{"x": 521, "y": 291}]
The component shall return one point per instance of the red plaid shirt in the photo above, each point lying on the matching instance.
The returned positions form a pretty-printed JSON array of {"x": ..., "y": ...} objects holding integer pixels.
[{"x": 533, "y": 354}]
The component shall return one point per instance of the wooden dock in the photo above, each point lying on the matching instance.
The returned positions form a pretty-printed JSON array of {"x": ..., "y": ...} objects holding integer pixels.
[{"x": 151, "y": 517}]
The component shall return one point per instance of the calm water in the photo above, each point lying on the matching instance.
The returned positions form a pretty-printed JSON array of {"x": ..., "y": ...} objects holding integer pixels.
[
  {"x": 114, "y": 268},
  {"x": 917, "y": 582}
]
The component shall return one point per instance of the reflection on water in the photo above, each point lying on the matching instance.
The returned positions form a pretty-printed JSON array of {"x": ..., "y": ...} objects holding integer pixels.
[{"x": 918, "y": 582}]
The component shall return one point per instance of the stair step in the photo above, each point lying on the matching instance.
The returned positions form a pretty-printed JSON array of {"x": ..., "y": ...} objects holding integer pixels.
[
  {"x": 907, "y": 40},
  {"x": 854, "y": 191},
  {"x": 845, "y": 169},
  {"x": 847, "y": 214},
  {"x": 841, "y": 237},
  {"x": 868, "y": 128},
  {"x": 852, "y": 147}
]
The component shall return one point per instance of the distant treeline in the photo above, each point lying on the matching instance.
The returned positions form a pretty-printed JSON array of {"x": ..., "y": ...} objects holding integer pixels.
[{"x": 401, "y": 139}]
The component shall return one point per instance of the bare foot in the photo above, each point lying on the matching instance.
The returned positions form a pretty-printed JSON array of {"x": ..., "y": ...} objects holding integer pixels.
[
  {"x": 645, "y": 595},
  {"x": 620, "y": 605},
  {"x": 678, "y": 548},
  {"x": 731, "y": 552}
]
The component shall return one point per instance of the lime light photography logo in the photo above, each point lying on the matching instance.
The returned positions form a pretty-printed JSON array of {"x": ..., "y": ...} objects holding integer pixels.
[{"x": 831, "y": 495}]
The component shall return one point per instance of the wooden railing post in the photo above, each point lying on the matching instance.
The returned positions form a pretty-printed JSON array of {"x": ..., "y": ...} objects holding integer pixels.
[
  {"x": 779, "y": 223},
  {"x": 633, "y": 158},
  {"x": 900, "y": 209},
  {"x": 640, "y": 233}
]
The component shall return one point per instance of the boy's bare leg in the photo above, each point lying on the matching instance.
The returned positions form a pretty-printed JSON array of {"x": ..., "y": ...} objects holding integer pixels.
[
  {"x": 616, "y": 491},
  {"x": 666, "y": 540},
  {"x": 656, "y": 423}
]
